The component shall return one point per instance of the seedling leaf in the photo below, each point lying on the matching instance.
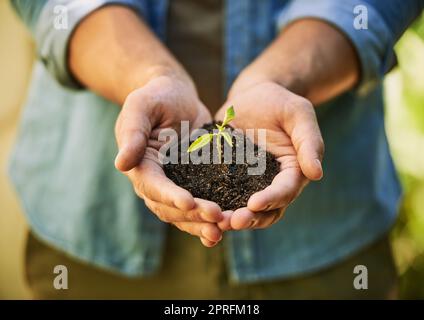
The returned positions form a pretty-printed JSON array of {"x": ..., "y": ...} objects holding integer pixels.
[
  {"x": 229, "y": 116},
  {"x": 227, "y": 138},
  {"x": 206, "y": 138},
  {"x": 200, "y": 142}
]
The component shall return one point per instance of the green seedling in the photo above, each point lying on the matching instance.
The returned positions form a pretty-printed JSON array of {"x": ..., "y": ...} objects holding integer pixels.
[{"x": 203, "y": 140}]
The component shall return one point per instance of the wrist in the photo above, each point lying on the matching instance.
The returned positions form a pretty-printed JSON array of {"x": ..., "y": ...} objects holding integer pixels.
[
  {"x": 256, "y": 74},
  {"x": 150, "y": 73},
  {"x": 163, "y": 70},
  {"x": 284, "y": 72}
]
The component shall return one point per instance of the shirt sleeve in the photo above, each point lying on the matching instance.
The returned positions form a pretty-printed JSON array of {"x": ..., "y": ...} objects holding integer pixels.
[
  {"x": 372, "y": 39},
  {"x": 53, "y": 22}
]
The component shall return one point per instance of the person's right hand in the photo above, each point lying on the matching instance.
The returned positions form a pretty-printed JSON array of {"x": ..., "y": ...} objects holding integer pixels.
[{"x": 163, "y": 103}]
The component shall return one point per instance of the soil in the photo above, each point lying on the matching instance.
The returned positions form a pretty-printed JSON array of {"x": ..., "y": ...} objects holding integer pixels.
[{"x": 229, "y": 185}]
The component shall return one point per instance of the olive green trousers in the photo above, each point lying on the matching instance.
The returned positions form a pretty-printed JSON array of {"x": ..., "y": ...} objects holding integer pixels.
[{"x": 191, "y": 271}]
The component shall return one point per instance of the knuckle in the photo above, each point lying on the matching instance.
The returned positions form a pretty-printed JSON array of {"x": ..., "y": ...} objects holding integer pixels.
[
  {"x": 147, "y": 190},
  {"x": 165, "y": 218},
  {"x": 192, "y": 215},
  {"x": 157, "y": 211},
  {"x": 162, "y": 198},
  {"x": 161, "y": 214}
]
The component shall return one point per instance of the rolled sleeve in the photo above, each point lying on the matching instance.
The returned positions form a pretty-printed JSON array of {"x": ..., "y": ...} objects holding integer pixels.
[
  {"x": 374, "y": 46},
  {"x": 52, "y": 36}
]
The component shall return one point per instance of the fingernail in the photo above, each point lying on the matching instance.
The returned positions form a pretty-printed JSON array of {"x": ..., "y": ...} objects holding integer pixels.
[
  {"x": 202, "y": 234},
  {"x": 319, "y": 167},
  {"x": 204, "y": 239},
  {"x": 318, "y": 163},
  {"x": 117, "y": 159}
]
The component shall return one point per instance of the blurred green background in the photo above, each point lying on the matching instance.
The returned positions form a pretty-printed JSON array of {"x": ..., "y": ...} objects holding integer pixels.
[{"x": 405, "y": 128}]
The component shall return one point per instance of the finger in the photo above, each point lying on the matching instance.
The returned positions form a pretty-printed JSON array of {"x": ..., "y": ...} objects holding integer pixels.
[
  {"x": 242, "y": 219},
  {"x": 209, "y": 211},
  {"x": 207, "y": 243},
  {"x": 132, "y": 132},
  {"x": 245, "y": 219},
  {"x": 208, "y": 231},
  {"x": 150, "y": 182},
  {"x": 225, "y": 223},
  {"x": 131, "y": 150},
  {"x": 285, "y": 187},
  {"x": 204, "y": 211},
  {"x": 307, "y": 140},
  {"x": 264, "y": 220},
  {"x": 155, "y": 144}
]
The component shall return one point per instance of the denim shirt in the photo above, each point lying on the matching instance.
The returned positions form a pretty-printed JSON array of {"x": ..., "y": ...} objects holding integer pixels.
[{"x": 63, "y": 171}]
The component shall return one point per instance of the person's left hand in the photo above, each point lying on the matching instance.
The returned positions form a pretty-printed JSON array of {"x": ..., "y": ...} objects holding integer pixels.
[{"x": 292, "y": 135}]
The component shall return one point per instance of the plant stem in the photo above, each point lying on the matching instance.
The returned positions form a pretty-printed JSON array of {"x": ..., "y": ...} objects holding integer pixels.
[{"x": 218, "y": 143}]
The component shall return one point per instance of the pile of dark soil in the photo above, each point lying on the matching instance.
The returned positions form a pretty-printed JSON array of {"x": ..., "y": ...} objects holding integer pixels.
[{"x": 229, "y": 185}]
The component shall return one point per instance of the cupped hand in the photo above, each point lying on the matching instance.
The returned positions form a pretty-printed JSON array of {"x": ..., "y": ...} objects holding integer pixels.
[
  {"x": 292, "y": 135},
  {"x": 163, "y": 103}
]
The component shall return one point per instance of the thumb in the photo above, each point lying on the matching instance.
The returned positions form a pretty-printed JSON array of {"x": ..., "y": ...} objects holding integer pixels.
[
  {"x": 307, "y": 141},
  {"x": 132, "y": 133}
]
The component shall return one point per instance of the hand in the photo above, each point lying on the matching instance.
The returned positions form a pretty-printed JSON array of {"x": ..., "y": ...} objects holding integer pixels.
[
  {"x": 160, "y": 104},
  {"x": 292, "y": 135}
]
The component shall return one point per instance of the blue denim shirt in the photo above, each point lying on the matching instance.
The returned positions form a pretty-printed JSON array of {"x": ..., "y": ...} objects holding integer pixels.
[{"x": 62, "y": 165}]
